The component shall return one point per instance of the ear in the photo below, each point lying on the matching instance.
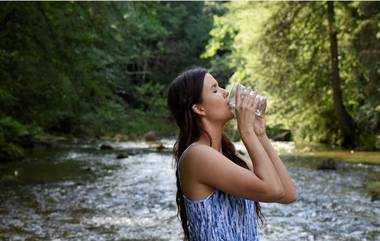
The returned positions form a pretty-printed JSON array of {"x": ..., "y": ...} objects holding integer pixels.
[{"x": 199, "y": 109}]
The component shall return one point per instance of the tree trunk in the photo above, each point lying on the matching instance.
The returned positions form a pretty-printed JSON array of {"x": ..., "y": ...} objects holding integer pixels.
[{"x": 345, "y": 121}]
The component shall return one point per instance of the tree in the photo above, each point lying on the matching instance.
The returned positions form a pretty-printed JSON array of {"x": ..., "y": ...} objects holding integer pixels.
[
  {"x": 346, "y": 123},
  {"x": 287, "y": 51},
  {"x": 88, "y": 69}
]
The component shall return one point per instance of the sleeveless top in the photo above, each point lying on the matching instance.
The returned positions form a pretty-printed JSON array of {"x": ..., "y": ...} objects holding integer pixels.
[{"x": 220, "y": 217}]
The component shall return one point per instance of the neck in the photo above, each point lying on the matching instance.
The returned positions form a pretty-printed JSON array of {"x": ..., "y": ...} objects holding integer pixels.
[{"x": 215, "y": 132}]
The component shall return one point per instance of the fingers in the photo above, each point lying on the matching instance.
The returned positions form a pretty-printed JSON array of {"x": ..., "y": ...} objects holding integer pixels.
[
  {"x": 255, "y": 101},
  {"x": 246, "y": 98},
  {"x": 237, "y": 96},
  {"x": 252, "y": 99}
]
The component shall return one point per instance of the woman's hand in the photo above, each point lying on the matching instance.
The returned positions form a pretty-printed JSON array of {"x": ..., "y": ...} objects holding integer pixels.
[
  {"x": 245, "y": 109},
  {"x": 259, "y": 126}
]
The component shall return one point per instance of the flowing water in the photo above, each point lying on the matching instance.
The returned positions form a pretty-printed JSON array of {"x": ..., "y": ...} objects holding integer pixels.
[{"x": 78, "y": 192}]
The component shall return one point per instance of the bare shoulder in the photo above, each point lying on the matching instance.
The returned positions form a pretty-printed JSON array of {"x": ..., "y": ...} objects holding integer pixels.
[
  {"x": 207, "y": 166},
  {"x": 204, "y": 159},
  {"x": 198, "y": 156}
]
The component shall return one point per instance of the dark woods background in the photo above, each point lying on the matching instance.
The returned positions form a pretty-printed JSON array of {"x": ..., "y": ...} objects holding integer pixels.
[{"x": 95, "y": 69}]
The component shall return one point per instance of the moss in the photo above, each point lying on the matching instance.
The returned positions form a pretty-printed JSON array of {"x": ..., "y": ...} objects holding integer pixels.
[
  {"x": 344, "y": 155},
  {"x": 13, "y": 136},
  {"x": 373, "y": 189},
  {"x": 10, "y": 152}
]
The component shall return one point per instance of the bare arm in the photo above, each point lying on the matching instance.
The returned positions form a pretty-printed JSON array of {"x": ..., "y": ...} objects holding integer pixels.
[
  {"x": 263, "y": 166},
  {"x": 245, "y": 112},
  {"x": 245, "y": 120},
  {"x": 287, "y": 184},
  {"x": 291, "y": 194}
]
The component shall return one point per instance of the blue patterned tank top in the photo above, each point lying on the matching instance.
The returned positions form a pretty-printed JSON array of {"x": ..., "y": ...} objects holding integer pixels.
[{"x": 221, "y": 217}]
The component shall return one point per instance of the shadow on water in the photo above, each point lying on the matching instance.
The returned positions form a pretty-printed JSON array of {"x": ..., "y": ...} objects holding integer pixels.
[
  {"x": 43, "y": 172},
  {"x": 79, "y": 192}
]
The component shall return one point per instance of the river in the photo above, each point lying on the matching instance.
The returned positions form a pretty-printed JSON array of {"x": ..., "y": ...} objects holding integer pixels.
[{"x": 79, "y": 192}]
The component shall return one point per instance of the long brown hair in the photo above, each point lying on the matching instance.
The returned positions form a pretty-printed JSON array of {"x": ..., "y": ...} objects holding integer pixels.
[{"x": 184, "y": 91}]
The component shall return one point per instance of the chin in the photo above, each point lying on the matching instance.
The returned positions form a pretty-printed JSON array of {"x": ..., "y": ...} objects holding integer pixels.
[{"x": 230, "y": 116}]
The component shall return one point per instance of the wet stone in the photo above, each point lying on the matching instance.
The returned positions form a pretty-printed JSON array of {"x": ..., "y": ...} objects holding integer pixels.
[
  {"x": 328, "y": 164},
  {"x": 121, "y": 156},
  {"x": 150, "y": 136},
  {"x": 105, "y": 147},
  {"x": 374, "y": 190}
]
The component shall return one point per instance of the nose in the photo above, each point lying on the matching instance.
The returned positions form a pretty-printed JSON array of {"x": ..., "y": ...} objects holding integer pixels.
[{"x": 225, "y": 93}]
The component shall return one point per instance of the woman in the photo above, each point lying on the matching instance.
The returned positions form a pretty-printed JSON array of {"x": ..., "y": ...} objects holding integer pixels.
[{"x": 218, "y": 193}]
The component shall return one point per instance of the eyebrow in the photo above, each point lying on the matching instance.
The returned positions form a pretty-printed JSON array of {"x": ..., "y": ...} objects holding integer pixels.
[{"x": 214, "y": 85}]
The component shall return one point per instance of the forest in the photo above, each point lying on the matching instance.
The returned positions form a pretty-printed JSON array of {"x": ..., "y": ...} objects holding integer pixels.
[{"x": 99, "y": 69}]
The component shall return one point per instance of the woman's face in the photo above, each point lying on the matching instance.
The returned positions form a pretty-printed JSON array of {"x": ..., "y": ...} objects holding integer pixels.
[{"x": 215, "y": 100}]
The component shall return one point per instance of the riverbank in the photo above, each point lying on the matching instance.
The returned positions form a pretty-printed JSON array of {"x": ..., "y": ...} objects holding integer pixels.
[
  {"x": 321, "y": 151},
  {"x": 307, "y": 150},
  {"x": 358, "y": 157},
  {"x": 16, "y": 138}
]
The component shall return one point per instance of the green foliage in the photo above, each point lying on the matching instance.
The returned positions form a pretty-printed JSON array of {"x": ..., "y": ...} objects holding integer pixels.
[
  {"x": 152, "y": 93},
  {"x": 139, "y": 122},
  {"x": 12, "y": 136},
  {"x": 103, "y": 120},
  {"x": 99, "y": 68},
  {"x": 94, "y": 68},
  {"x": 283, "y": 50}
]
